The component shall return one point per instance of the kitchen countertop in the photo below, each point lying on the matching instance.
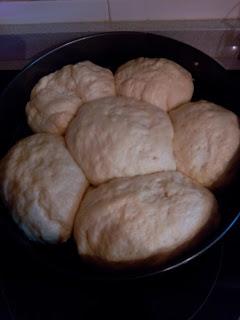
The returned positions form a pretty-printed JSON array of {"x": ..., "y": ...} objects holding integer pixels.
[{"x": 218, "y": 38}]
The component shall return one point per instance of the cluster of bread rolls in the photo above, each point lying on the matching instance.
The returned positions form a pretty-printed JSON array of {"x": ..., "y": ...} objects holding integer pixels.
[{"x": 122, "y": 162}]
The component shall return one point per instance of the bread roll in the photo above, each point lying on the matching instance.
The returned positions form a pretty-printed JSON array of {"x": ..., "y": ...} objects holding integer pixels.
[
  {"x": 117, "y": 137},
  {"x": 206, "y": 142},
  {"x": 42, "y": 186},
  {"x": 160, "y": 82},
  {"x": 144, "y": 219},
  {"x": 56, "y": 98}
]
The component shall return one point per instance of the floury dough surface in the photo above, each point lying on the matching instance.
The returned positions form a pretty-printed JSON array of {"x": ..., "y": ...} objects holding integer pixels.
[
  {"x": 206, "y": 142},
  {"x": 156, "y": 216},
  {"x": 160, "y": 82},
  {"x": 117, "y": 137},
  {"x": 56, "y": 98},
  {"x": 42, "y": 186}
]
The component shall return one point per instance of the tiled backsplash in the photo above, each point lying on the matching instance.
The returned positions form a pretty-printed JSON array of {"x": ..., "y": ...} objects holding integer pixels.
[
  {"x": 64, "y": 11},
  {"x": 32, "y": 12},
  {"x": 173, "y": 9}
]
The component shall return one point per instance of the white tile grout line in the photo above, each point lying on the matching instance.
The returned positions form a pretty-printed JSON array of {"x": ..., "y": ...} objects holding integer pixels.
[{"x": 109, "y": 11}]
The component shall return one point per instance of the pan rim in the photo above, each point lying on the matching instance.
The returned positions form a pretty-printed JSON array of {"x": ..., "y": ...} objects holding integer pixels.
[{"x": 220, "y": 235}]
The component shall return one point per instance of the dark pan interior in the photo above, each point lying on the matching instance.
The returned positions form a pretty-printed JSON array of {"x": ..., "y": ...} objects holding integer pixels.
[{"x": 111, "y": 50}]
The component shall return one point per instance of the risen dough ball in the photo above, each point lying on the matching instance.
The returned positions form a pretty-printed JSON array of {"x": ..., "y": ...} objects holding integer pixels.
[
  {"x": 206, "y": 141},
  {"x": 161, "y": 82},
  {"x": 151, "y": 217},
  {"x": 42, "y": 185},
  {"x": 56, "y": 97},
  {"x": 117, "y": 137}
]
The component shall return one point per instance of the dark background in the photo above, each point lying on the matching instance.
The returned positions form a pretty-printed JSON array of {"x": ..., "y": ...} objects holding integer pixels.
[{"x": 32, "y": 291}]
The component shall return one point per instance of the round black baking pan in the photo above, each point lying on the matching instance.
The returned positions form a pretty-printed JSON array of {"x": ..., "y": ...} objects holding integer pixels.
[{"x": 110, "y": 50}]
